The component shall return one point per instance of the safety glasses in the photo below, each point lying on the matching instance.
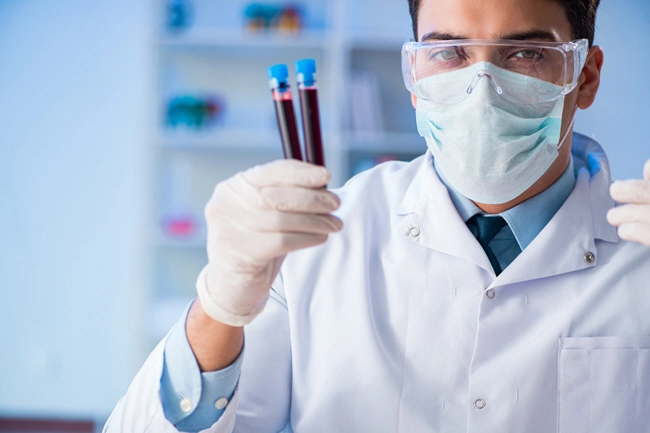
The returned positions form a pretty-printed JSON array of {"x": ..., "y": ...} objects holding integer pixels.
[{"x": 457, "y": 64}]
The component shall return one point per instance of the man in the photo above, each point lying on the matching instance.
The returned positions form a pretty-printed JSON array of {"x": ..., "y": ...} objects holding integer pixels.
[{"x": 478, "y": 288}]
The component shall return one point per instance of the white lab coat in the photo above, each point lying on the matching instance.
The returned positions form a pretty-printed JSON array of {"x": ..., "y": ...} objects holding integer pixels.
[{"x": 388, "y": 328}]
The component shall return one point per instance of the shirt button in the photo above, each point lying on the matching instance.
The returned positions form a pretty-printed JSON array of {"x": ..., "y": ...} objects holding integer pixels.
[
  {"x": 414, "y": 232},
  {"x": 186, "y": 405},
  {"x": 480, "y": 403},
  {"x": 221, "y": 403},
  {"x": 490, "y": 293},
  {"x": 590, "y": 258}
]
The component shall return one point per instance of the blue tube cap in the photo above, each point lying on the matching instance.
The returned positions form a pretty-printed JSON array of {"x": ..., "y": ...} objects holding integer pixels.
[
  {"x": 279, "y": 72},
  {"x": 306, "y": 69}
]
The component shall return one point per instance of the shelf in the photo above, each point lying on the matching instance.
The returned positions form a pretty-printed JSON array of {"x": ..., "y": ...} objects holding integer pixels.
[
  {"x": 385, "y": 142},
  {"x": 228, "y": 39},
  {"x": 231, "y": 62},
  {"x": 191, "y": 243},
  {"x": 210, "y": 39},
  {"x": 376, "y": 41},
  {"x": 221, "y": 139}
]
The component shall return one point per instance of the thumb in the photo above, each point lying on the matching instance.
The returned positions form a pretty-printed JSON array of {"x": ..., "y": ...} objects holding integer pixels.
[{"x": 646, "y": 170}]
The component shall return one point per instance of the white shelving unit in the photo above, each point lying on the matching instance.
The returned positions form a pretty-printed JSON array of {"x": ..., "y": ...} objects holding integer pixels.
[{"x": 358, "y": 59}]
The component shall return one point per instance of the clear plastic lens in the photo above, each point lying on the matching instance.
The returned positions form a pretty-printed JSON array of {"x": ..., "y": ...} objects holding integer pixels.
[
  {"x": 542, "y": 63},
  {"x": 556, "y": 63}
]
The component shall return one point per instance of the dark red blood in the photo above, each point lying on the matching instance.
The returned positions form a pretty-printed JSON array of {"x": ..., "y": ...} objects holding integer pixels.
[{"x": 311, "y": 126}]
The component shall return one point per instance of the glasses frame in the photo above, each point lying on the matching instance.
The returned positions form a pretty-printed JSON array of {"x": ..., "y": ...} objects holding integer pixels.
[{"x": 573, "y": 52}]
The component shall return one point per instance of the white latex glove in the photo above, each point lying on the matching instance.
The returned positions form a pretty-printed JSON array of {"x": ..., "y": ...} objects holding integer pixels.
[
  {"x": 633, "y": 218},
  {"x": 254, "y": 219}
]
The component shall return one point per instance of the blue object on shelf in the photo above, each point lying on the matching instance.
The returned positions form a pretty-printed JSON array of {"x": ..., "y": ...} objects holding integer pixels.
[
  {"x": 286, "y": 17},
  {"x": 195, "y": 112},
  {"x": 178, "y": 14}
]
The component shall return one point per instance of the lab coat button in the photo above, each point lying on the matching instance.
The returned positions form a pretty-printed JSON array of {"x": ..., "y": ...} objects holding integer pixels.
[
  {"x": 186, "y": 405},
  {"x": 490, "y": 293},
  {"x": 590, "y": 258},
  {"x": 221, "y": 403},
  {"x": 414, "y": 232},
  {"x": 480, "y": 403}
]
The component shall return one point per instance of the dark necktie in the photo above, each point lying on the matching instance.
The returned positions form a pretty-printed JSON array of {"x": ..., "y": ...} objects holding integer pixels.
[{"x": 486, "y": 229}]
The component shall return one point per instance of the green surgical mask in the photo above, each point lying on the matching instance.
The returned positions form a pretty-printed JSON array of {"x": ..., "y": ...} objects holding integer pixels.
[{"x": 490, "y": 149}]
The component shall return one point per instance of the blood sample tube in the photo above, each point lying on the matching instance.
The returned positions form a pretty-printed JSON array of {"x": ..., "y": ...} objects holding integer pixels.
[
  {"x": 308, "y": 90},
  {"x": 286, "y": 117}
]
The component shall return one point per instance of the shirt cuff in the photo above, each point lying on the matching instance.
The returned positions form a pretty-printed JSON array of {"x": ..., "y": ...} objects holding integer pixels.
[{"x": 191, "y": 400}]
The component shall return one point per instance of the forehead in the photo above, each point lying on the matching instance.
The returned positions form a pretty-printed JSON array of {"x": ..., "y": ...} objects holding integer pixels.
[{"x": 492, "y": 19}]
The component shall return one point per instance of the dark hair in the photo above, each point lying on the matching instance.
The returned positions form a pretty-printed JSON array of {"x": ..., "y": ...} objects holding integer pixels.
[{"x": 580, "y": 13}]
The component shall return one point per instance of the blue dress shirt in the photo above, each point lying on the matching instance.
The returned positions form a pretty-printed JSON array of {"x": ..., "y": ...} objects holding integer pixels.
[
  {"x": 182, "y": 382},
  {"x": 189, "y": 396},
  {"x": 525, "y": 221}
]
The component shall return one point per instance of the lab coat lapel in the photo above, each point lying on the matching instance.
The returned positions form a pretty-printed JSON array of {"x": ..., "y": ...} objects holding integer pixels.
[
  {"x": 567, "y": 241},
  {"x": 429, "y": 217}
]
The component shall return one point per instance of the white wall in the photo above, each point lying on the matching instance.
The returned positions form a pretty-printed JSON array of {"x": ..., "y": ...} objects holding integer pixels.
[
  {"x": 620, "y": 117},
  {"x": 74, "y": 80}
]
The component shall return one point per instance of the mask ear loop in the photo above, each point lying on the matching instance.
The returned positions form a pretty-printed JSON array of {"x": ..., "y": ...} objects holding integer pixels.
[{"x": 568, "y": 129}]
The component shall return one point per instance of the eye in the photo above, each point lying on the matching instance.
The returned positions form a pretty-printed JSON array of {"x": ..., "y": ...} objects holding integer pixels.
[
  {"x": 445, "y": 54},
  {"x": 528, "y": 54}
]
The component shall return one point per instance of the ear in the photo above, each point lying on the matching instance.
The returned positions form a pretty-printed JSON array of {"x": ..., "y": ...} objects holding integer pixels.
[
  {"x": 589, "y": 80},
  {"x": 414, "y": 101}
]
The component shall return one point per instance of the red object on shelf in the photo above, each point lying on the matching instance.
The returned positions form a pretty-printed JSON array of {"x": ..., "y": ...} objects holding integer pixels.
[{"x": 180, "y": 226}]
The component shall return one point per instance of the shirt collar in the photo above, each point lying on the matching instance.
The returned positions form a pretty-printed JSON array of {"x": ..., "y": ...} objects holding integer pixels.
[{"x": 527, "y": 219}]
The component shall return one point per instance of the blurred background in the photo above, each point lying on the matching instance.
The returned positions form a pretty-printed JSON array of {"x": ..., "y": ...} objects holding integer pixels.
[{"x": 119, "y": 117}]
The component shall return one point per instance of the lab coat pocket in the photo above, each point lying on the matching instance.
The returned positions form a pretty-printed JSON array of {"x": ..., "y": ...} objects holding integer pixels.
[{"x": 604, "y": 385}]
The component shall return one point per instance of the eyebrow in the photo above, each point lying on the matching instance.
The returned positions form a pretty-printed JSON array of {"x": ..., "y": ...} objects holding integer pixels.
[
  {"x": 537, "y": 35},
  {"x": 438, "y": 36}
]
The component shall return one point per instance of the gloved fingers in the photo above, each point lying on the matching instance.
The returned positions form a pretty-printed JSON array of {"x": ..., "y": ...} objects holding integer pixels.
[
  {"x": 282, "y": 222},
  {"x": 631, "y": 191},
  {"x": 300, "y": 200},
  {"x": 288, "y": 172},
  {"x": 635, "y": 232},
  {"x": 238, "y": 193},
  {"x": 284, "y": 243},
  {"x": 234, "y": 194},
  {"x": 236, "y": 211},
  {"x": 630, "y": 213},
  {"x": 250, "y": 223},
  {"x": 245, "y": 245},
  {"x": 255, "y": 252}
]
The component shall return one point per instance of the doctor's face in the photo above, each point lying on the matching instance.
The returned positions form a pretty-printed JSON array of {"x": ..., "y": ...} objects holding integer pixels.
[{"x": 531, "y": 20}]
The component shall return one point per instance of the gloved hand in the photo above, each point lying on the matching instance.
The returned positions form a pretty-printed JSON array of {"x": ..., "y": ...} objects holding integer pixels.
[
  {"x": 633, "y": 218},
  {"x": 254, "y": 219}
]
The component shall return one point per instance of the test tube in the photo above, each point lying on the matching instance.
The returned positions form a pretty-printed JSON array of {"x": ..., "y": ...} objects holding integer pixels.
[
  {"x": 308, "y": 91},
  {"x": 284, "y": 114}
]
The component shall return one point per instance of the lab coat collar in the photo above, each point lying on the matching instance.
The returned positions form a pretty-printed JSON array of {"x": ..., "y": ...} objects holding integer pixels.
[
  {"x": 590, "y": 156},
  {"x": 563, "y": 243},
  {"x": 427, "y": 206}
]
